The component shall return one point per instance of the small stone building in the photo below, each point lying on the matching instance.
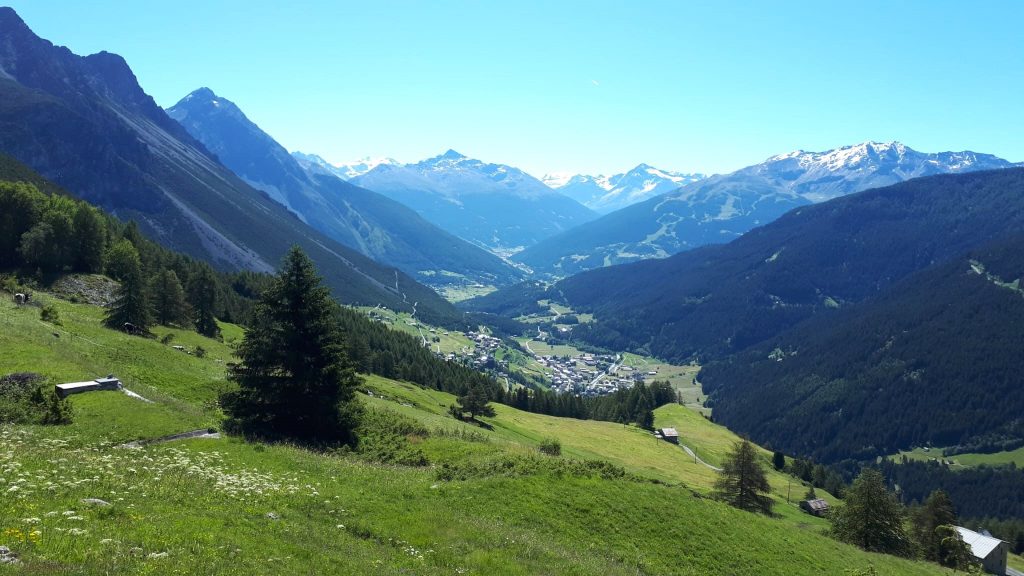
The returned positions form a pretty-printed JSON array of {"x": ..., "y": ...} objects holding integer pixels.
[
  {"x": 107, "y": 383},
  {"x": 815, "y": 507},
  {"x": 990, "y": 552}
]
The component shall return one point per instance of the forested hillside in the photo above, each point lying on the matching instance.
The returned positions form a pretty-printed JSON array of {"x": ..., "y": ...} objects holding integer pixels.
[
  {"x": 936, "y": 360},
  {"x": 45, "y": 233},
  {"x": 717, "y": 300}
]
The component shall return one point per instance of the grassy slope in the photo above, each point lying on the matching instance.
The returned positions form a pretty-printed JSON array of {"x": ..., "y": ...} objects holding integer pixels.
[
  {"x": 204, "y": 502},
  {"x": 968, "y": 459}
]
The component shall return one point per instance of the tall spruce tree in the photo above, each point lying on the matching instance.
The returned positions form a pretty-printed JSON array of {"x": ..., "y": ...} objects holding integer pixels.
[
  {"x": 294, "y": 380},
  {"x": 871, "y": 518},
  {"x": 203, "y": 297},
  {"x": 169, "y": 300},
  {"x": 131, "y": 305},
  {"x": 743, "y": 483}
]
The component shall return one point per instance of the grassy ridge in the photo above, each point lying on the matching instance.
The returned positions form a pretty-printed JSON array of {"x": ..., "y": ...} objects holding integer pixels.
[{"x": 236, "y": 508}]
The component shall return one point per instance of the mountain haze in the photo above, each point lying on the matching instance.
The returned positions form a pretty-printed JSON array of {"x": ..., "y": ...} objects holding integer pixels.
[
  {"x": 491, "y": 205},
  {"x": 375, "y": 225},
  {"x": 721, "y": 208},
  {"x": 86, "y": 124}
]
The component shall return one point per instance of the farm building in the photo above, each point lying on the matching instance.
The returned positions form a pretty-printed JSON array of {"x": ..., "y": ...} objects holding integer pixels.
[
  {"x": 669, "y": 435},
  {"x": 991, "y": 552},
  {"x": 816, "y": 507},
  {"x": 108, "y": 383}
]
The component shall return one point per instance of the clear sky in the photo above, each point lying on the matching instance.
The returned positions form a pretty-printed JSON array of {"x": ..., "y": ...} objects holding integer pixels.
[{"x": 579, "y": 86}]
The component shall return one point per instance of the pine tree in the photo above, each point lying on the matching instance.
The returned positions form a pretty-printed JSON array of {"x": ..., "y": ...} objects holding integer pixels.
[
  {"x": 475, "y": 402},
  {"x": 779, "y": 460},
  {"x": 294, "y": 380},
  {"x": 871, "y": 518},
  {"x": 936, "y": 511},
  {"x": 203, "y": 297},
  {"x": 169, "y": 300},
  {"x": 743, "y": 483},
  {"x": 131, "y": 305}
]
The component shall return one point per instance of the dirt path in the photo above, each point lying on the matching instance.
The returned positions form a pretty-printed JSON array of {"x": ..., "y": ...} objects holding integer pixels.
[
  {"x": 697, "y": 458},
  {"x": 202, "y": 433}
]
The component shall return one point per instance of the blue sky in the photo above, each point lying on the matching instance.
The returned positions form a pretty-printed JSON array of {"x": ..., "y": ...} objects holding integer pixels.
[{"x": 593, "y": 86}]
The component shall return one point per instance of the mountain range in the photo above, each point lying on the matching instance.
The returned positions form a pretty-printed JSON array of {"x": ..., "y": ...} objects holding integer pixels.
[
  {"x": 376, "y": 226},
  {"x": 722, "y": 207},
  {"x": 605, "y": 194},
  {"x": 86, "y": 124},
  {"x": 493, "y": 205},
  {"x": 841, "y": 329}
]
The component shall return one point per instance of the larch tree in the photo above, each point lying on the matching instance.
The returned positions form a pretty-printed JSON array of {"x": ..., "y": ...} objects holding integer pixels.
[
  {"x": 871, "y": 518},
  {"x": 90, "y": 239},
  {"x": 936, "y": 511},
  {"x": 294, "y": 379},
  {"x": 743, "y": 483}
]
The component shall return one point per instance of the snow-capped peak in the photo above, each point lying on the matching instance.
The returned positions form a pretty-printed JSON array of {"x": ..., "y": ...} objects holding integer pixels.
[
  {"x": 846, "y": 156},
  {"x": 556, "y": 180},
  {"x": 344, "y": 170},
  {"x": 607, "y": 193}
]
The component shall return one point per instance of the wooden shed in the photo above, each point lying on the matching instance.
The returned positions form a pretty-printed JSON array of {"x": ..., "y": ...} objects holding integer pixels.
[{"x": 669, "y": 435}]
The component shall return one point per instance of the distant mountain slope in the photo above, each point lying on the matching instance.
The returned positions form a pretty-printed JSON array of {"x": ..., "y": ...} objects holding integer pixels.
[
  {"x": 375, "y": 225},
  {"x": 935, "y": 360},
  {"x": 491, "y": 205},
  {"x": 721, "y": 208},
  {"x": 85, "y": 123},
  {"x": 721, "y": 299},
  {"x": 349, "y": 170},
  {"x": 605, "y": 194}
]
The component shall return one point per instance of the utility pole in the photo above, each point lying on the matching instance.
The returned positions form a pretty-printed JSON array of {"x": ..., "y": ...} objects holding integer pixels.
[{"x": 789, "y": 488}]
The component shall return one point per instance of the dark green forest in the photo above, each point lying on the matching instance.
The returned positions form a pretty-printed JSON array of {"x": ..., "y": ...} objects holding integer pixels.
[{"x": 935, "y": 361}]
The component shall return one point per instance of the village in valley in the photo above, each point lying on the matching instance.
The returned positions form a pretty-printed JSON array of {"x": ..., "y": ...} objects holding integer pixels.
[{"x": 545, "y": 360}]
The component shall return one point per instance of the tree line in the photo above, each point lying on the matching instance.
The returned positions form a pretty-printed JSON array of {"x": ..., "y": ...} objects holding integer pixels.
[{"x": 45, "y": 235}]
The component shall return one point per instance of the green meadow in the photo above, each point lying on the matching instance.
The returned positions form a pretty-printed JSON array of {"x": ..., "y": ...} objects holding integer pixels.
[{"x": 481, "y": 499}]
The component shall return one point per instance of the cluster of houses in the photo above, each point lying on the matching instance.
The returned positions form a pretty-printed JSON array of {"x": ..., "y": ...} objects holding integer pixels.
[
  {"x": 482, "y": 355},
  {"x": 590, "y": 374}
]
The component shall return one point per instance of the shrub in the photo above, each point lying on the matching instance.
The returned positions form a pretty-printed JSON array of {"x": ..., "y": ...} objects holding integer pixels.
[
  {"x": 49, "y": 313},
  {"x": 200, "y": 352},
  {"x": 56, "y": 410},
  {"x": 23, "y": 401},
  {"x": 167, "y": 338},
  {"x": 387, "y": 437},
  {"x": 551, "y": 447}
]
